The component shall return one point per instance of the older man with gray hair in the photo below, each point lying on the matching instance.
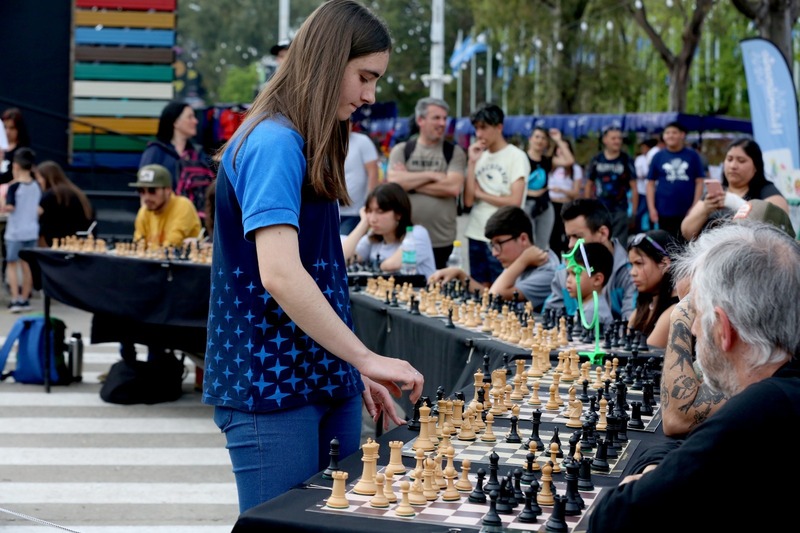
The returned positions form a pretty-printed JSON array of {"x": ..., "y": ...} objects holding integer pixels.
[
  {"x": 432, "y": 171},
  {"x": 745, "y": 279}
]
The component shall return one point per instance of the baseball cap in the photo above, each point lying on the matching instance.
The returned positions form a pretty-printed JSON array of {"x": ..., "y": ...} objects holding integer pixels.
[
  {"x": 152, "y": 176},
  {"x": 763, "y": 211},
  {"x": 282, "y": 45}
]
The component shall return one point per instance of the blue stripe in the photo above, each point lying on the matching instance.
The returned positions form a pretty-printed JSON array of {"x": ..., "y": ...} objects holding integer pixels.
[
  {"x": 124, "y": 36},
  {"x": 106, "y": 159}
]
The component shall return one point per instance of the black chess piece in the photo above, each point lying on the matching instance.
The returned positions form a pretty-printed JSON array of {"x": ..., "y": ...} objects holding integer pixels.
[
  {"x": 584, "y": 395},
  {"x": 648, "y": 399},
  {"x": 536, "y": 420},
  {"x": 527, "y": 474},
  {"x": 478, "y": 495},
  {"x": 518, "y": 495},
  {"x": 636, "y": 416},
  {"x": 528, "y": 515},
  {"x": 491, "y": 518},
  {"x": 511, "y": 495},
  {"x": 503, "y": 506},
  {"x": 585, "y": 482},
  {"x": 556, "y": 439},
  {"x": 487, "y": 374},
  {"x": 556, "y": 522},
  {"x": 333, "y": 466},
  {"x": 574, "y": 439},
  {"x": 450, "y": 323},
  {"x": 505, "y": 364},
  {"x": 513, "y": 435},
  {"x": 494, "y": 482},
  {"x": 413, "y": 424},
  {"x": 575, "y": 501},
  {"x": 600, "y": 459}
]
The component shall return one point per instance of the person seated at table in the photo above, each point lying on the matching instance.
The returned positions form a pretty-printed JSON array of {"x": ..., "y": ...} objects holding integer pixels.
[
  {"x": 686, "y": 400},
  {"x": 590, "y": 220},
  {"x": 527, "y": 269},
  {"x": 744, "y": 286},
  {"x": 64, "y": 209},
  {"x": 593, "y": 278},
  {"x": 649, "y": 256},
  {"x": 380, "y": 232},
  {"x": 164, "y": 218}
]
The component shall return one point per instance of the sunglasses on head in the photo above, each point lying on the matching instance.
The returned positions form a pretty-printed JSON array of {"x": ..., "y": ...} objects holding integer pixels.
[
  {"x": 148, "y": 190},
  {"x": 639, "y": 237}
]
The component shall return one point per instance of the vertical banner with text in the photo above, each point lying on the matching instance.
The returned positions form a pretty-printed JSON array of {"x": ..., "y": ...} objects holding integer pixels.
[{"x": 773, "y": 111}]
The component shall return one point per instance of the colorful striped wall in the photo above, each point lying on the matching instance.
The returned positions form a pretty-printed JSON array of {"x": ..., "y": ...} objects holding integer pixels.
[{"x": 122, "y": 78}]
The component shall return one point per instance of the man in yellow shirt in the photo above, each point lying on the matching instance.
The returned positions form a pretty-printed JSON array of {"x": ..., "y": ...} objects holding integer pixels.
[{"x": 164, "y": 219}]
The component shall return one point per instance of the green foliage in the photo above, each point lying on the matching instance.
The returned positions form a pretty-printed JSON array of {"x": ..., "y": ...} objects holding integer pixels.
[{"x": 240, "y": 85}]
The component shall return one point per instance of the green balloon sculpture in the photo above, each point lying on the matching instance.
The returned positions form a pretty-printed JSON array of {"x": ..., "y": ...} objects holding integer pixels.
[{"x": 596, "y": 356}]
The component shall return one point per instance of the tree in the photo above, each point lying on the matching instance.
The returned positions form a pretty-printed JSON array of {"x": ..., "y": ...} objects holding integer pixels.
[
  {"x": 240, "y": 85},
  {"x": 680, "y": 63},
  {"x": 774, "y": 19}
]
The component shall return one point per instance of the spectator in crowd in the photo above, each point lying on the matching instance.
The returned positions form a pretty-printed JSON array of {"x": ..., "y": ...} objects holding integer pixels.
[
  {"x": 496, "y": 177},
  {"x": 565, "y": 185},
  {"x": 22, "y": 227},
  {"x": 280, "y": 50},
  {"x": 650, "y": 258},
  {"x": 431, "y": 169},
  {"x": 384, "y": 219},
  {"x": 610, "y": 177},
  {"x": 743, "y": 178},
  {"x": 527, "y": 269},
  {"x": 744, "y": 286},
  {"x": 588, "y": 219},
  {"x": 642, "y": 166},
  {"x": 675, "y": 181},
  {"x": 542, "y": 158},
  {"x": 17, "y": 137},
  {"x": 361, "y": 173},
  {"x": 592, "y": 279},
  {"x": 64, "y": 209},
  {"x": 177, "y": 126}
]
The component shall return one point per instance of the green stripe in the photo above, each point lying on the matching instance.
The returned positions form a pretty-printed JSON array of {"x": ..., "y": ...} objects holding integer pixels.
[
  {"x": 122, "y": 72},
  {"x": 109, "y": 142}
]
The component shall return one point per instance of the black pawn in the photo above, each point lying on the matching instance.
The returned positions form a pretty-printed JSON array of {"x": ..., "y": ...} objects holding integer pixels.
[
  {"x": 636, "y": 416},
  {"x": 450, "y": 323},
  {"x": 527, "y": 475},
  {"x": 503, "y": 506},
  {"x": 333, "y": 466},
  {"x": 513, "y": 435},
  {"x": 556, "y": 521},
  {"x": 518, "y": 495},
  {"x": 492, "y": 518},
  {"x": 477, "y": 495},
  {"x": 528, "y": 515},
  {"x": 493, "y": 483}
]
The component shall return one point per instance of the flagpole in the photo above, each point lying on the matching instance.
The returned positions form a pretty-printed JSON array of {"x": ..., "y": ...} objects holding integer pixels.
[{"x": 459, "y": 84}]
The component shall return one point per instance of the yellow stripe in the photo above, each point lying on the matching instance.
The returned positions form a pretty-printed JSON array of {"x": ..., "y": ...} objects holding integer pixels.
[
  {"x": 125, "y": 19},
  {"x": 136, "y": 126}
]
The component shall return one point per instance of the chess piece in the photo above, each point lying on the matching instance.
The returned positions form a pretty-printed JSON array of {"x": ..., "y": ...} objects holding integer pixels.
[
  {"x": 488, "y": 435},
  {"x": 528, "y": 515},
  {"x": 513, "y": 435},
  {"x": 404, "y": 509},
  {"x": 464, "y": 484},
  {"x": 395, "y": 465},
  {"x": 430, "y": 491},
  {"x": 478, "y": 495},
  {"x": 556, "y": 522},
  {"x": 492, "y": 519},
  {"x": 366, "y": 484},
  {"x": 334, "y": 464},
  {"x": 338, "y": 499},
  {"x": 387, "y": 487},
  {"x": 545, "y": 496},
  {"x": 379, "y": 501},
  {"x": 493, "y": 483}
]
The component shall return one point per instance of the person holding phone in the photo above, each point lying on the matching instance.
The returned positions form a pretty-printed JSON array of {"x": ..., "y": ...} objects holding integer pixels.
[{"x": 743, "y": 179}]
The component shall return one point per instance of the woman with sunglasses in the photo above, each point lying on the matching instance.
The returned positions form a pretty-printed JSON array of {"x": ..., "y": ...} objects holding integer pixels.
[
  {"x": 384, "y": 218},
  {"x": 743, "y": 179},
  {"x": 649, "y": 256}
]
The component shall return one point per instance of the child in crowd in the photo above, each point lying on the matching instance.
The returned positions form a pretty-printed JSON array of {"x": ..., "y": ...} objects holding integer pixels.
[
  {"x": 593, "y": 278},
  {"x": 22, "y": 228},
  {"x": 649, "y": 255}
]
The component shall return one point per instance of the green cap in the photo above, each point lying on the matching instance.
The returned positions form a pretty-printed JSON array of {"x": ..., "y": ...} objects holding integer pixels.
[{"x": 152, "y": 176}]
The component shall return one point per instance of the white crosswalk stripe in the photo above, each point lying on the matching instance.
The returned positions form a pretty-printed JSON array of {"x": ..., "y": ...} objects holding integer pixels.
[{"x": 70, "y": 461}]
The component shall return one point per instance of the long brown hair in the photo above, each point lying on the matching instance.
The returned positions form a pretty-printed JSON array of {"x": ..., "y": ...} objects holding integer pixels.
[
  {"x": 63, "y": 188},
  {"x": 306, "y": 87}
]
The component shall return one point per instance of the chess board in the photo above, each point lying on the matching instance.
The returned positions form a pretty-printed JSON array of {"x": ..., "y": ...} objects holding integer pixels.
[
  {"x": 515, "y": 455},
  {"x": 458, "y": 513}
]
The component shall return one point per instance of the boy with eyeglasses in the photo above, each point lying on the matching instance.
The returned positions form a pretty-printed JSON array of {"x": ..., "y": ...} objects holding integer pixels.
[
  {"x": 597, "y": 263},
  {"x": 527, "y": 269}
]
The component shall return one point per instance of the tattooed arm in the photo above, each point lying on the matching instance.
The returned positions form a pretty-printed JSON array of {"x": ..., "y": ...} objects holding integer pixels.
[{"x": 686, "y": 400}]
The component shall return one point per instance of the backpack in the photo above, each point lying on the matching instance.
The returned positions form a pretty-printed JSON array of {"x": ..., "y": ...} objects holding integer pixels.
[
  {"x": 194, "y": 177},
  {"x": 28, "y": 334},
  {"x": 148, "y": 382}
]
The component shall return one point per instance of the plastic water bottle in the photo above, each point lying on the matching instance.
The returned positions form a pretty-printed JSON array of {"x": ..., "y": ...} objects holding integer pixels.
[
  {"x": 409, "y": 247},
  {"x": 456, "y": 259}
]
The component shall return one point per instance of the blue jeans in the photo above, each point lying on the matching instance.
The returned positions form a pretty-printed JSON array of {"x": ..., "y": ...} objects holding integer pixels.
[{"x": 272, "y": 452}]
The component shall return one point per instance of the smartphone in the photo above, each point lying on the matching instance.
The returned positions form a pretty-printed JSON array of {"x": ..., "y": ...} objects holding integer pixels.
[{"x": 713, "y": 186}]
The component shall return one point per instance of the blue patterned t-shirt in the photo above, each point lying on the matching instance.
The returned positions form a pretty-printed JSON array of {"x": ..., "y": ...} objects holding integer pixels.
[{"x": 257, "y": 358}]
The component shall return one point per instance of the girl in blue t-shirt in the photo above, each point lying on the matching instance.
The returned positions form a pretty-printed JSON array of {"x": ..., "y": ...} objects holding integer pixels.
[
  {"x": 283, "y": 368},
  {"x": 380, "y": 232}
]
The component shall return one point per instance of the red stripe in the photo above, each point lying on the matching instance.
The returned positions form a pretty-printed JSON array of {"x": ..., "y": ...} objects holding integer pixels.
[{"x": 140, "y": 5}]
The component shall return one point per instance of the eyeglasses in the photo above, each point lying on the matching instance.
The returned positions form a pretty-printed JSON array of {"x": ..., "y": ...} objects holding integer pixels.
[
  {"x": 148, "y": 190},
  {"x": 498, "y": 246},
  {"x": 639, "y": 237}
]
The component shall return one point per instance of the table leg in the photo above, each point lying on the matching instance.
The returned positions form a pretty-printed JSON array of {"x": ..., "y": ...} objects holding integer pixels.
[{"x": 47, "y": 330}]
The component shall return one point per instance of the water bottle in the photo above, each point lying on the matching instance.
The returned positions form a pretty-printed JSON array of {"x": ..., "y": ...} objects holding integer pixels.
[
  {"x": 76, "y": 356},
  {"x": 409, "y": 247},
  {"x": 455, "y": 259}
]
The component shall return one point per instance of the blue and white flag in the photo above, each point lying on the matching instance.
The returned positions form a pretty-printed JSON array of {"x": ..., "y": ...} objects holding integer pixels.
[
  {"x": 773, "y": 101},
  {"x": 464, "y": 51}
]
